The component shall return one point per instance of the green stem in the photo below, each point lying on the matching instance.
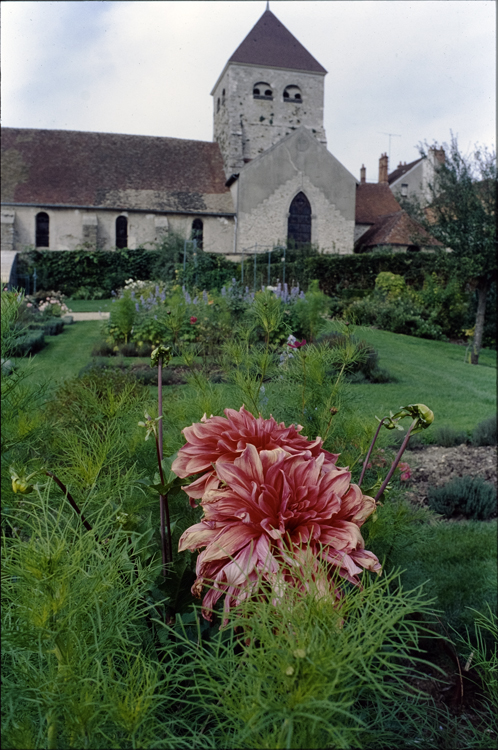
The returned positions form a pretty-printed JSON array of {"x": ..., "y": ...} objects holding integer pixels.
[
  {"x": 370, "y": 451},
  {"x": 52, "y": 731},
  {"x": 304, "y": 383},
  {"x": 332, "y": 394},
  {"x": 396, "y": 460}
]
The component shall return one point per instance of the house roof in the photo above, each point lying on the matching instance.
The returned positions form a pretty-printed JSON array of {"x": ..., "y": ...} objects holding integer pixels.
[
  {"x": 65, "y": 167},
  {"x": 397, "y": 229},
  {"x": 403, "y": 169},
  {"x": 374, "y": 200},
  {"x": 270, "y": 44}
]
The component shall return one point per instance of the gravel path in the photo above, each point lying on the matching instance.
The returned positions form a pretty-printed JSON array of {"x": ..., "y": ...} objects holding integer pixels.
[{"x": 89, "y": 316}]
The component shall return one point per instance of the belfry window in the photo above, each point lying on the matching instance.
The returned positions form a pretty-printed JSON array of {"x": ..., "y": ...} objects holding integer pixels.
[
  {"x": 42, "y": 230},
  {"x": 293, "y": 94},
  {"x": 121, "y": 232},
  {"x": 198, "y": 232},
  {"x": 299, "y": 221},
  {"x": 262, "y": 90}
]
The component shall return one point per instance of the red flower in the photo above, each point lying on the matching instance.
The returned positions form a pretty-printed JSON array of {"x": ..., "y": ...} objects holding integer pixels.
[
  {"x": 226, "y": 439},
  {"x": 193, "y": 320},
  {"x": 406, "y": 472},
  {"x": 274, "y": 511},
  {"x": 297, "y": 344}
]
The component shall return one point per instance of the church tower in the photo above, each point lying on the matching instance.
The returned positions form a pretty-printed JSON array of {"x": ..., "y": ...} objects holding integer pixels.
[{"x": 270, "y": 87}]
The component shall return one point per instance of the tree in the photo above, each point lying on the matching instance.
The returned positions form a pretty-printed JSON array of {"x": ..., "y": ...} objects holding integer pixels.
[{"x": 461, "y": 214}]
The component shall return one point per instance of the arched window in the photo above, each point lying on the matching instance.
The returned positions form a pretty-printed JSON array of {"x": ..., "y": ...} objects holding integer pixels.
[
  {"x": 262, "y": 90},
  {"x": 42, "y": 230},
  {"x": 121, "y": 231},
  {"x": 198, "y": 232},
  {"x": 299, "y": 222},
  {"x": 293, "y": 94}
]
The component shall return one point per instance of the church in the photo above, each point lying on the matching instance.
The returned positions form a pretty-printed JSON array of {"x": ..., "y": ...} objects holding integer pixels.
[{"x": 266, "y": 179}]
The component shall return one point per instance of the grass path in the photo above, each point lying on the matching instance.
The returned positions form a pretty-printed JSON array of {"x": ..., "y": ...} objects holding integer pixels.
[{"x": 65, "y": 354}]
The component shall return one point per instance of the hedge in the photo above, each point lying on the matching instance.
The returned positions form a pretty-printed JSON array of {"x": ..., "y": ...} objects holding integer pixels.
[{"x": 66, "y": 271}]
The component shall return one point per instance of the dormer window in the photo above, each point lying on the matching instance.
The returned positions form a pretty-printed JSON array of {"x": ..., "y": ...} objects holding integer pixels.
[
  {"x": 293, "y": 94},
  {"x": 262, "y": 90}
]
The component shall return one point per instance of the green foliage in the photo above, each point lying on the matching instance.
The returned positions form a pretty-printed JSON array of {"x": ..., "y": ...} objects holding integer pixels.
[
  {"x": 310, "y": 312},
  {"x": 402, "y": 315},
  {"x": 122, "y": 317},
  {"x": 310, "y": 673},
  {"x": 457, "y": 564},
  {"x": 390, "y": 285},
  {"x": 101, "y": 270},
  {"x": 472, "y": 496},
  {"x": 448, "y": 437},
  {"x": 485, "y": 432},
  {"x": 481, "y": 650}
]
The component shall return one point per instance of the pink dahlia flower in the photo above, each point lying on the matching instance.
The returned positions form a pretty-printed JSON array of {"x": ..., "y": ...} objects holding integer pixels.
[
  {"x": 226, "y": 438},
  {"x": 275, "y": 508}
]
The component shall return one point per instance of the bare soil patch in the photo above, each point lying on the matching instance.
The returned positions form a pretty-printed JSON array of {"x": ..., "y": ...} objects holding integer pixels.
[{"x": 434, "y": 465}]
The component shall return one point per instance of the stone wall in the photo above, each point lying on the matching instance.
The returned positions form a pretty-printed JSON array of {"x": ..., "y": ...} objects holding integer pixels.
[
  {"x": 245, "y": 126},
  {"x": 70, "y": 229},
  {"x": 267, "y": 186}
]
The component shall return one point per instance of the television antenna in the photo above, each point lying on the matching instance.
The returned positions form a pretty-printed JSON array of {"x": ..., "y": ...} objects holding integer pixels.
[{"x": 396, "y": 135}]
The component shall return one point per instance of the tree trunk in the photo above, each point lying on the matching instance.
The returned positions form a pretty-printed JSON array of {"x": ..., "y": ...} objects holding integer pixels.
[{"x": 482, "y": 294}]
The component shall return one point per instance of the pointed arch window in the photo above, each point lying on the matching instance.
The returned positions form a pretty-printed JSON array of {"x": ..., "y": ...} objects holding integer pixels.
[
  {"x": 121, "y": 232},
  {"x": 299, "y": 221},
  {"x": 42, "y": 230},
  {"x": 198, "y": 232}
]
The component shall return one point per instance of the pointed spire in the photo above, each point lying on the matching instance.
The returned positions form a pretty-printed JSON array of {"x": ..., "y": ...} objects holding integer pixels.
[
  {"x": 267, "y": 4},
  {"x": 271, "y": 45}
]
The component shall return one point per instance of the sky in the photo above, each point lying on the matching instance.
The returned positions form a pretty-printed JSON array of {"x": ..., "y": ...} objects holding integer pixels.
[{"x": 418, "y": 70}]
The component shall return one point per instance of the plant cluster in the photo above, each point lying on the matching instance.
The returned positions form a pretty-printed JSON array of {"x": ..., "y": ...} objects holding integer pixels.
[
  {"x": 103, "y": 644},
  {"x": 466, "y": 495}
]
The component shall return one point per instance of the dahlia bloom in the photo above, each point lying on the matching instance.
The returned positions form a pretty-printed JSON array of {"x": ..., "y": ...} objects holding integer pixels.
[
  {"x": 226, "y": 438},
  {"x": 271, "y": 510}
]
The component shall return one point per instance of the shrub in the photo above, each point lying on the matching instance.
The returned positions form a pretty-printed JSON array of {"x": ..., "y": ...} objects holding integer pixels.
[
  {"x": 485, "y": 432},
  {"x": 122, "y": 317},
  {"x": 367, "y": 364},
  {"x": 103, "y": 349},
  {"x": 471, "y": 496},
  {"x": 448, "y": 437},
  {"x": 30, "y": 343}
]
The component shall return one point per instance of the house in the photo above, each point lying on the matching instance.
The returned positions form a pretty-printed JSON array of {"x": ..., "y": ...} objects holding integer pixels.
[
  {"x": 267, "y": 178},
  {"x": 412, "y": 180},
  {"x": 380, "y": 220}
]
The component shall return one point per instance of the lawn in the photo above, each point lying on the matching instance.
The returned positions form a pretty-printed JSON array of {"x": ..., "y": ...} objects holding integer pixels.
[
  {"x": 64, "y": 355},
  {"x": 88, "y": 305},
  {"x": 431, "y": 373}
]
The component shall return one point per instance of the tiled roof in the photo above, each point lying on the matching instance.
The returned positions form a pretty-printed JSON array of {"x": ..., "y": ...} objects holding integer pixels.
[
  {"x": 397, "y": 229},
  {"x": 64, "y": 167},
  {"x": 403, "y": 169},
  {"x": 270, "y": 44},
  {"x": 374, "y": 200}
]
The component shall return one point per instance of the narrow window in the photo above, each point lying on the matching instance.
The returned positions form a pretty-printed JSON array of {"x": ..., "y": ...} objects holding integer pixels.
[
  {"x": 223, "y": 97},
  {"x": 121, "y": 231},
  {"x": 198, "y": 232},
  {"x": 42, "y": 230},
  {"x": 299, "y": 222},
  {"x": 218, "y": 105},
  {"x": 404, "y": 189}
]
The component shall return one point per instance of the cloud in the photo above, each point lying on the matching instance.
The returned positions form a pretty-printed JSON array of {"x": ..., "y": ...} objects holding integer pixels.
[{"x": 417, "y": 69}]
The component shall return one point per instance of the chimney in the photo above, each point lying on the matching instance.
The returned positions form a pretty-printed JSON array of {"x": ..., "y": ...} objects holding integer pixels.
[
  {"x": 383, "y": 165},
  {"x": 437, "y": 155},
  {"x": 363, "y": 174}
]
